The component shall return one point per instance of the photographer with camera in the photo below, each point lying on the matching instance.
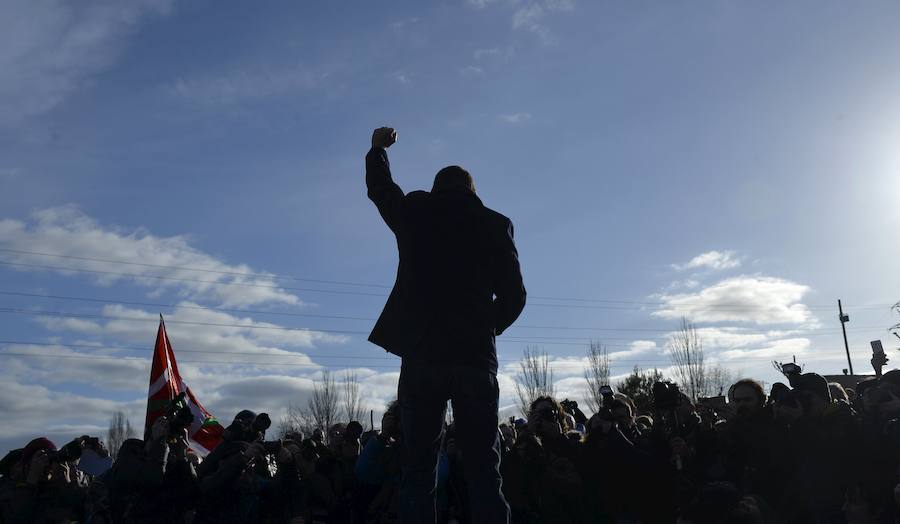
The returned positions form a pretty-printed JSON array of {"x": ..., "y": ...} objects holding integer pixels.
[
  {"x": 44, "y": 487},
  {"x": 152, "y": 481},
  {"x": 679, "y": 445},
  {"x": 611, "y": 467},
  {"x": 823, "y": 442},
  {"x": 236, "y": 478},
  {"x": 540, "y": 479}
]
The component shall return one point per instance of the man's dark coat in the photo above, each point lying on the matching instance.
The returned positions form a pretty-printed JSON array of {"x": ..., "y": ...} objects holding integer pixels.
[{"x": 458, "y": 283}]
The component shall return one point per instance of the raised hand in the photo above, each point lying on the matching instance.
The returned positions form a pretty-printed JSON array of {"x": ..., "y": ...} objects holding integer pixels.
[{"x": 384, "y": 137}]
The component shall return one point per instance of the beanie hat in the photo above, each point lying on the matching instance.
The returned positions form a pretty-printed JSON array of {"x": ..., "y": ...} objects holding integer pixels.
[
  {"x": 813, "y": 383},
  {"x": 38, "y": 444}
]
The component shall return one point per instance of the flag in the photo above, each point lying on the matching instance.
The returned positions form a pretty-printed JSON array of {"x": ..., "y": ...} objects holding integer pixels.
[{"x": 166, "y": 383}]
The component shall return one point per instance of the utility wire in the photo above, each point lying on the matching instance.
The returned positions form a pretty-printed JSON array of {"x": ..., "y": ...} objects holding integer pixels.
[
  {"x": 645, "y": 361},
  {"x": 266, "y": 276},
  {"x": 42, "y": 312}
]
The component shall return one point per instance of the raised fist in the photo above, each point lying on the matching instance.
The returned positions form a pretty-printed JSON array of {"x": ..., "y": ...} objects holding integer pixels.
[{"x": 384, "y": 137}]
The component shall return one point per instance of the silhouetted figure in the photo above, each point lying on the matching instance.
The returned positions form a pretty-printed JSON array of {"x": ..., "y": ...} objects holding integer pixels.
[{"x": 458, "y": 286}]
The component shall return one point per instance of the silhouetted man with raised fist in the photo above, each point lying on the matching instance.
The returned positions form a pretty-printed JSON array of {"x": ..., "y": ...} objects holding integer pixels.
[{"x": 458, "y": 286}]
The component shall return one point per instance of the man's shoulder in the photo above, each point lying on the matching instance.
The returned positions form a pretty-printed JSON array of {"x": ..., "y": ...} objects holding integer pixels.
[{"x": 496, "y": 216}]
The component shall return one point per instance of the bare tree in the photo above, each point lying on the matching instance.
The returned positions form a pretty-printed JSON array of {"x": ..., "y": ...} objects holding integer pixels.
[
  {"x": 686, "y": 353},
  {"x": 323, "y": 405},
  {"x": 596, "y": 374},
  {"x": 352, "y": 405},
  {"x": 535, "y": 379},
  {"x": 120, "y": 429},
  {"x": 296, "y": 420},
  {"x": 718, "y": 380}
]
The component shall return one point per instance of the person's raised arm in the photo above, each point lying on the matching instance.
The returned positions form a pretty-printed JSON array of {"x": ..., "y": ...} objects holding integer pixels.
[
  {"x": 382, "y": 190},
  {"x": 509, "y": 289}
]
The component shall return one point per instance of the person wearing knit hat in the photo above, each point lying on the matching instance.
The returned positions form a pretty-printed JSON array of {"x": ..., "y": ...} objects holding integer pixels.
[
  {"x": 813, "y": 383},
  {"x": 32, "y": 448},
  {"x": 814, "y": 393},
  {"x": 778, "y": 391}
]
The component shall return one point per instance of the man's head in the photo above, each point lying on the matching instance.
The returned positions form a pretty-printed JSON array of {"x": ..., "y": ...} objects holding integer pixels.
[
  {"x": 747, "y": 396},
  {"x": 813, "y": 392},
  {"x": 453, "y": 178},
  {"x": 546, "y": 417}
]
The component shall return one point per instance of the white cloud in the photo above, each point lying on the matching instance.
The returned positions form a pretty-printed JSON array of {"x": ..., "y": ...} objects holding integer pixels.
[
  {"x": 247, "y": 84},
  {"x": 775, "y": 349},
  {"x": 403, "y": 77},
  {"x": 481, "y": 54},
  {"x": 638, "y": 347},
  {"x": 214, "y": 330},
  {"x": 750, "y": 299},
  {"x": 51, "y": 48},
  {"x": 715, "y": 260},
  {"x": 481, "y": 4},
  {"x": 39, "y": 411},
  {"x": 470, "y": 71},
  {"x": 530, "y": 17},
  {"x": 77, "y": 325},
  {"x": 400, "y": 24},
  {"x": 68, "y": 232},
  {"x": 230, "y": 361},
  {"x": 516, "y": 118}
]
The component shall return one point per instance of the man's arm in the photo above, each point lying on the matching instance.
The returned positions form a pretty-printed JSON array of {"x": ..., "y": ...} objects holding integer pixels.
[
  {"x": 509, "y": 289},
  {"x": 382, "y": 190}
]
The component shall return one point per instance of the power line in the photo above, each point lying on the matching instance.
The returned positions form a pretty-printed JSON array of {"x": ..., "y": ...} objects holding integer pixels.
[
  {"x": 201, "y": 270},
  {"x": 180, "y": 306},
  {"x": 291, "y": 314},
  {"x": 41, "y": 312},
  {"x": 301, "y": 364},
  {"x": 337, "y": 282}
]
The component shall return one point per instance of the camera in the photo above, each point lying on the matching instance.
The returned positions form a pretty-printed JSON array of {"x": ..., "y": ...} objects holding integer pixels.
[
  {"x": 179, "y": 415},
  {"x": 548, "y": 414},
  {"x": 261, "y": 423},
  {"x": 68, "y": 453},
  {"x": 666, "y": 395},
  {"x": 790, "y": 369},
  {"x": 569, "y": 406},
  {"x": 247, "y": 427}
]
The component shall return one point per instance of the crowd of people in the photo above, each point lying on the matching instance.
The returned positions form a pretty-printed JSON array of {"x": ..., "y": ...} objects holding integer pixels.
[{"x": 807, "y": 452}]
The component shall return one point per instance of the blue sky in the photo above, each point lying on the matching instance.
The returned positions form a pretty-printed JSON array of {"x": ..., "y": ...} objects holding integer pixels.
[{"x": 732, "y": 162}]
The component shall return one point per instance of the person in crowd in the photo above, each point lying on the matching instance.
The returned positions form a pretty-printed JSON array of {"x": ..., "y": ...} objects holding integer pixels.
[
  {"x": 822, "y": 442},
  {"x": 544, "y": 484},
  {"x": 378, "y": 472},
  {"x": 458, "y": 286},
  {"x": 43, "y": 486}
]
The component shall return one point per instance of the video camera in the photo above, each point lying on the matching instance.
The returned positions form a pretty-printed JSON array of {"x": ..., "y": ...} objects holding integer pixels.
[
  {"x": 179, "y": 415},
  {"x": 68, "y": 453},
  {"x": 666, "y": 395},
  {"x": 571, "y": 407},
  {"x": 606, "y": 392}
]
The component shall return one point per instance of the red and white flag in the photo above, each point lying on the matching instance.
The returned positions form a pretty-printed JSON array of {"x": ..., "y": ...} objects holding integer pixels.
[{"x": 166, "y": 383}]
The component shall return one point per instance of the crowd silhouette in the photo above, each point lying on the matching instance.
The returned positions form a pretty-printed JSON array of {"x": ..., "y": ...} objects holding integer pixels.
[{"x": 799, "y": 454}]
